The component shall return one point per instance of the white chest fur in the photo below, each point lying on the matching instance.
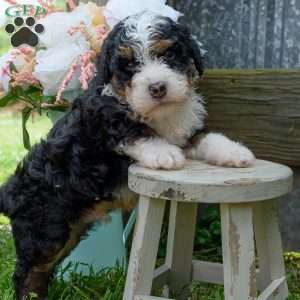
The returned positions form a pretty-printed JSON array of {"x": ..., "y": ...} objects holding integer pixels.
[{"x": 177, "y": 125}]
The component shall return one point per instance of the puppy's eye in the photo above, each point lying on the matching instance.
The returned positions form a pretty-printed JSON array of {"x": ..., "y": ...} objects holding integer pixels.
[
  {"x": 127, "y": 65},
  {"x": 169, "y": 55},
  {"x": 130, "y": 65}
]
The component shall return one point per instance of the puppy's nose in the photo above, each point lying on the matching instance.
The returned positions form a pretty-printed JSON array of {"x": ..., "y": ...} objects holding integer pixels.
[{"x": 158, "y": 90}]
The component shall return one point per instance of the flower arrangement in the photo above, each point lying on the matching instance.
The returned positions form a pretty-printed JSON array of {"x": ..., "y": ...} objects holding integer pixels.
[{"x": 64, "y": 60}]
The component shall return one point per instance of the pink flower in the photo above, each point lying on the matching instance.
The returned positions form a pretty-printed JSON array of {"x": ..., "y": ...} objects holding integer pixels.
[
  {"x": 87, "y": 72},
  {"x": 23, "y": 79}
]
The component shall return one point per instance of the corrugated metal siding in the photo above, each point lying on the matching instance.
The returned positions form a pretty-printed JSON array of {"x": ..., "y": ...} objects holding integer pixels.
[{"x": 246, "y": 33}]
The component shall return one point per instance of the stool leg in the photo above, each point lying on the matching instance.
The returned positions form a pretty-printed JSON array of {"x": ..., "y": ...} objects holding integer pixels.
[
  {"x": 180, "y": 246},
  {"x": 144, "y": 247},
  {"x": 269, "y": 246},
  {"x": 238, "y": 252}
]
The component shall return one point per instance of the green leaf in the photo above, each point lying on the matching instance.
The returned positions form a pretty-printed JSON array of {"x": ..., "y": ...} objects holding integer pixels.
[
  {"x": 210, "y": 213},
  {"x": 203, "y": 237},
  {"x": 215, "y": 227},
  {"x": 25, "y": 116},
  {"x": 9, "y": 98},
  {"x": 13, "y": 67}
]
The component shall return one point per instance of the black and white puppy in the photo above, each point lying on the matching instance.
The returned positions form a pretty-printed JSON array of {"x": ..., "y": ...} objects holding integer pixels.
[
  {"x": 150, "y": 63},
  {"x": 140, "y": 106}
]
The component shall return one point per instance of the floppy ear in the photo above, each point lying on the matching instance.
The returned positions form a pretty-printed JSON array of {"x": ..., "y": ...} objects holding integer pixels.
[
  {"x": 193, "y": 47},
  {"x": 103, "y": 61},
  {"x": 196, "y": 54},
  {"x": 104, "y": 58}
]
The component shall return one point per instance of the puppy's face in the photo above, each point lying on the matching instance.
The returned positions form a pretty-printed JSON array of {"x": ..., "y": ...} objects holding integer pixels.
[{"x": 150, "y": 61}]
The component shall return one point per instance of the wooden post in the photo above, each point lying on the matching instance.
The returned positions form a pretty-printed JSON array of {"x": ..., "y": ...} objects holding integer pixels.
[
  {"x": 181, "y": 236},
  {"x": 269, "y": 247},
  {"x": 238, "y": 252},
  {"x": 144, "y": 247}
]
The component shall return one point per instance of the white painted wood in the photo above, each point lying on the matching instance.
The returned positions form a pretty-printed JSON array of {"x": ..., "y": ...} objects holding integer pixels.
[
  {"x": 180, "y": 246},
  {"x": 161, "y": 276},
  {"x": 200, "y": 182},
  {"x": 208, "y": 272},
  {"x": 144, "y": 247},
  {"x": 150, "y": 298},
  {"x": 272, "y": 290},
  {"x": 269, "y": 246},
  {"x": 213, "y": 273},
  {"x": 238, "y": 252}
]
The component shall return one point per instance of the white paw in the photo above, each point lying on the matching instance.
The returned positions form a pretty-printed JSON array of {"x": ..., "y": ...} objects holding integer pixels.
[
  {"x": 239, "y": 157},
  {"x": 158, "y": 154},
  {"x": 219, "y": 150}
]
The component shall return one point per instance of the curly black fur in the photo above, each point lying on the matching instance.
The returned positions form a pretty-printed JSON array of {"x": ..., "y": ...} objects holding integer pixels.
[{"x": 61, "y": 178}]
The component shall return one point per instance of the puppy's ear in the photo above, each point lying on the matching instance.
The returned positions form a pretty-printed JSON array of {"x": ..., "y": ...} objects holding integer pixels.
[
  {"x": 103, "y": 61},
  {"x": 195, "y": 52},
  {"x": 193, "y": 47},
  {"x": 104, "y": 58}
]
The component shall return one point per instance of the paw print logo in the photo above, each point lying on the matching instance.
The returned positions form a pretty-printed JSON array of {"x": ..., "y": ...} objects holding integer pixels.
[{"x": 24, "y": 31}]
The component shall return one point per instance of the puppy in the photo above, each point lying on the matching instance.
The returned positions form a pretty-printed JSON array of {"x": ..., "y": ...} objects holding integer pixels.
[{"x": 140, "y": 107}]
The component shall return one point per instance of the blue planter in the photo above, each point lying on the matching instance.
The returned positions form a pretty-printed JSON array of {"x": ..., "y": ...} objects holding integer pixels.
[{"x": 104, "y": 247}]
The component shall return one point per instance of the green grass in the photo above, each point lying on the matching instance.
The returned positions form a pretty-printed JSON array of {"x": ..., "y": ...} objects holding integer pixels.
[
  {"x": 11, "y": 146},
  {"x": 4, "y": 42}
]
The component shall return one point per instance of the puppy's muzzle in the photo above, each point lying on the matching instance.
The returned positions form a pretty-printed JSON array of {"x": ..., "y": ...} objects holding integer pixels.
[{"x": 158, "y": 90}]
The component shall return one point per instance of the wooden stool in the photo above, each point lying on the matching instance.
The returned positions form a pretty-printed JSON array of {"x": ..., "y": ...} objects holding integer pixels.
[{"x": 246, "y": 211}]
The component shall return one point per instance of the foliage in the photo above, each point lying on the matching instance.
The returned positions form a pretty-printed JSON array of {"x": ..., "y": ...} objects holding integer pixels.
[
  {"x": 11, "y": 148},
  {"x": 208, "y": 234},
  {"x": 4, "y": 42},
  {"x": 34, "y": 101}
]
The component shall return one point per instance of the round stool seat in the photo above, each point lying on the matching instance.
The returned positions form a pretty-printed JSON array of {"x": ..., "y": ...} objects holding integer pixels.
[{"x": 201, "y": 182}]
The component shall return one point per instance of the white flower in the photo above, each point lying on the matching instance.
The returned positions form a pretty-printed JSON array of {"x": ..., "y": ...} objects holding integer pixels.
[
  {"x": 54, "y": 64},
  {"x": 58, "y": 24},
  {"x": 117, "y": 10}
]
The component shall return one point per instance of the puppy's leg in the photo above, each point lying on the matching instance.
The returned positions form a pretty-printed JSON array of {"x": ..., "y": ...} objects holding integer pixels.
[
  {"x": 155, "y": 153},
  {"x": 38, "y": 253},
  {"x": 217, "y": 149},
  {"x": 31, "y": 280}
]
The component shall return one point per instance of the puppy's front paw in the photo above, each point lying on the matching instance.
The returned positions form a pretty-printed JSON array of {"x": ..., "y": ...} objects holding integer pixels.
[
  {"x": 219, "y": 150},
  {"x": 157, "y": 154},
  {"x": 239, "y": 157}
]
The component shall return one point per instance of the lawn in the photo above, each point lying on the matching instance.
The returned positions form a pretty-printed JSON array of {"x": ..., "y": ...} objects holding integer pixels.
[{"x": 4, "y": 42}]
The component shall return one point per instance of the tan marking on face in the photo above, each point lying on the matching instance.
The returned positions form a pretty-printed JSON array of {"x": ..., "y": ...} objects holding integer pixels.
[
  {"x": 126, "y": 52},
  {"x": 118, "y": 88},
  {"x": 160, "y": 46}
]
